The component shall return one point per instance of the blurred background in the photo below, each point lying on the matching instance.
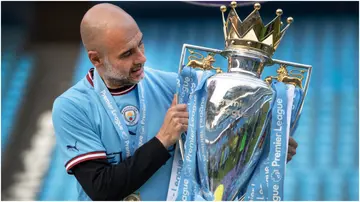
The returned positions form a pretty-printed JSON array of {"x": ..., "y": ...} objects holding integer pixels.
[{"x": 42, "y": 56}]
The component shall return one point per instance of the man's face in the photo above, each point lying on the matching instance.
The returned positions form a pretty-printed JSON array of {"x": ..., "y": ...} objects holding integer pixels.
[{"x": 124, "y": 59}]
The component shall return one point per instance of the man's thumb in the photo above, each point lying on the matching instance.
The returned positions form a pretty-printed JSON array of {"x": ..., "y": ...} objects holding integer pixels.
[{"x": 174, "y": 102}]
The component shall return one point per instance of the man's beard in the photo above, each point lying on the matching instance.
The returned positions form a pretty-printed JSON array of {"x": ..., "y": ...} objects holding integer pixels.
[{"x": 117, "y": 79}]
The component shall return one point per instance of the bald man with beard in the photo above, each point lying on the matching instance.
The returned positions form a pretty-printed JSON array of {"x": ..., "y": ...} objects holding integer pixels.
[
  {"x": 116, "y": 128},
  {"x": 104, "y": 152}
]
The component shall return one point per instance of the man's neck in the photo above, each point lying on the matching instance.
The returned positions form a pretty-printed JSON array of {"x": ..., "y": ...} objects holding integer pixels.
[{"x": 111, "y": 85}]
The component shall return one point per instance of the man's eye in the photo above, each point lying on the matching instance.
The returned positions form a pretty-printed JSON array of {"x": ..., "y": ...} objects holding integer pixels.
[
  {"x": 141, "y": 43},
  {"x": 127, "y": 54}
]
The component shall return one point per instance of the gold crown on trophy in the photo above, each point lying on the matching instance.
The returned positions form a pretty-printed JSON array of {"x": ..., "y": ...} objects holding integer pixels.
[{"x": 251, "y": 33}]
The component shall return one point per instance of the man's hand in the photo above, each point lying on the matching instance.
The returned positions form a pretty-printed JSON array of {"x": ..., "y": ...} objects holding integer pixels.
[
  {"x": 292, "y": 149},
  {"x": 175, "y": 123}
]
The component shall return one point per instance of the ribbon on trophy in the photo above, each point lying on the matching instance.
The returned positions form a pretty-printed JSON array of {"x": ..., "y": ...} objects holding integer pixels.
[
  {"x": 267, "y": 182},
  {"x": 191, "y": 182},
  {"x": 298, "y": 96}
]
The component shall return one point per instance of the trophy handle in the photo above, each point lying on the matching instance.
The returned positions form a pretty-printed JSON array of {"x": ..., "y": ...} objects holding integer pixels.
[
  {"x": 188, "y": 46},
  {"x": 181, "y": 66},
  {"x": 308, "y": 69}
]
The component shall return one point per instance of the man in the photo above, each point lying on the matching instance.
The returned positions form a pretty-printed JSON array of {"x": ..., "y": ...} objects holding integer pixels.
[{"x": 117, "y": 126}]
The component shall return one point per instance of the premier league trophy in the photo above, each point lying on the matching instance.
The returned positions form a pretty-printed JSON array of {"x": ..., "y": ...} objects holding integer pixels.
[{"x": 239, "y": 119}]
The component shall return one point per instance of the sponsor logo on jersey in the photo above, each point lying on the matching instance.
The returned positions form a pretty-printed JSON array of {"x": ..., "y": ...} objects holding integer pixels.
[{"x": 72, "y": 147}]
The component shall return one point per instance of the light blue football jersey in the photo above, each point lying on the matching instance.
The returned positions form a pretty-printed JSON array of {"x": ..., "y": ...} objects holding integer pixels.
[
  {"x": 85, "y": 132},
  {"x": 128, "y": 104}
]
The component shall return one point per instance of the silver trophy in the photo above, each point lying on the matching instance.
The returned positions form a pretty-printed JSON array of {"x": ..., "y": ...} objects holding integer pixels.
[{"x": 239, "y": 98}]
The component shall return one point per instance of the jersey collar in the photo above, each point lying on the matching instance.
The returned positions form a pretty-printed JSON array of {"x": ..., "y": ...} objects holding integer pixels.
[{"x": 118, "y": 91}]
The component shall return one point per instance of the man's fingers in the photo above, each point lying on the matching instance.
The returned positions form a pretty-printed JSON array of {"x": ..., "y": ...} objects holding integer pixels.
[
  {"x": 174, "y": 102},
  {"x": 184, "y": 121},
  {"x": 181, "y": 127},
  {"x": 293, "y": 143},
  {"x": 184, "y": 127},
  {"x": 289, "y": 158},
  {"x": 181, "y": 107},
  {"x": 292, "y": 151},
  {"x": 178, "y": 120},
  {"x": 181, "y": 114}
]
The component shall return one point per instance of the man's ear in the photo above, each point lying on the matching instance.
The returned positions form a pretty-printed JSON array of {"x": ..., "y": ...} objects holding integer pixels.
[{"x": 95, "y": 58}]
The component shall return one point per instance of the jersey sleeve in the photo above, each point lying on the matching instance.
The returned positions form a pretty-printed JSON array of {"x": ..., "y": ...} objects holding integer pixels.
[{"x": 75, "y": 136}]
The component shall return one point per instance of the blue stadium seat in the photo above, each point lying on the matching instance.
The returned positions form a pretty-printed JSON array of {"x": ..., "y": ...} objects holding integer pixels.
[
  {"x": 333, "y": 183},
  {"x": 12, "y": 100},
  {"x": 10, "y": 53},
  {"x": 352, "y": 191},
  {"x": 290, "y": 184},
  {"x": 309, "y": 188}
]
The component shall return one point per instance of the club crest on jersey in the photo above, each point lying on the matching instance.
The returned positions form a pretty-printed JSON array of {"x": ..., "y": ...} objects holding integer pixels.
[{"x": 131, "y": 115}]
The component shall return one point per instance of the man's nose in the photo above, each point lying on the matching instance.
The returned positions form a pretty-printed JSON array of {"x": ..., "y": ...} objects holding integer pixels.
[{"x": 140, "y": 57}]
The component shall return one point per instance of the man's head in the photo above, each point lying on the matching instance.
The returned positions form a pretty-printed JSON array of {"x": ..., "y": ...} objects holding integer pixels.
[{"x": 114, "y": 44}]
